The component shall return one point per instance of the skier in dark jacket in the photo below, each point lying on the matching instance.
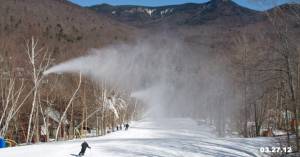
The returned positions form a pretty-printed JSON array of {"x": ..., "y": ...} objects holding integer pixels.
[
  {"x": 84, "y": 145},
  {"x": 126, "y": 126}
]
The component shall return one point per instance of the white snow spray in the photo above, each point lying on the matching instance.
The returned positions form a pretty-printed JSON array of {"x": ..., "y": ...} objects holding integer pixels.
[{"x": 164, "y": 73}]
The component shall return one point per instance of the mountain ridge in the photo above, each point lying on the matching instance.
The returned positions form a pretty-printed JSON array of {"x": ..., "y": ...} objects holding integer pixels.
[{"x": 187, "y": 13}]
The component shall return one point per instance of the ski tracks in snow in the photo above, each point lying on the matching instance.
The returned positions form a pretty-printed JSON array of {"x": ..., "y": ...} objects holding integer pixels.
[{"x": 152, "y": 138}]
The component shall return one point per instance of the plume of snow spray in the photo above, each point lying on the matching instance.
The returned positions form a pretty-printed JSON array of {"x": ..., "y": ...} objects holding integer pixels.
[{"x": 163, "y": 73}]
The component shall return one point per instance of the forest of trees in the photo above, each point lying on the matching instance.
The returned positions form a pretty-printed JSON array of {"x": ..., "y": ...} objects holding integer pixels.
[
  {"x": 37, "y": 108},
  {"x": 263, "y": 96}
]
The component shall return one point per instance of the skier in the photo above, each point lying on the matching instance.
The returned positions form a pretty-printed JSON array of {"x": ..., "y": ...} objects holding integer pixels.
[
  {"x": 84, "y": 145},
  {"x": 126, "y": 126}
]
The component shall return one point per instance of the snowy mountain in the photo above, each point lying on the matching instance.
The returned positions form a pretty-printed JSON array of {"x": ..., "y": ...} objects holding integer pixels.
[{"x": 189, "y": 13}]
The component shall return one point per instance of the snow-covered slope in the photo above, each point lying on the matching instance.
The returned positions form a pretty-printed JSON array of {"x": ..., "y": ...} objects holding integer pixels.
[{"x": 150, "y": 138}]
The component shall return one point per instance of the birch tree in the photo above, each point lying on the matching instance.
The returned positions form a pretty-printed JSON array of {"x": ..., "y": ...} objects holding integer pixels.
[
  {"x": 39, "y": 61},
  {"x": 11, "y": 103}
]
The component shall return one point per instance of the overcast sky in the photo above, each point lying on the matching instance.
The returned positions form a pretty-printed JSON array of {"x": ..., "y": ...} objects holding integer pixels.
[{"x": 247, "y": 3}]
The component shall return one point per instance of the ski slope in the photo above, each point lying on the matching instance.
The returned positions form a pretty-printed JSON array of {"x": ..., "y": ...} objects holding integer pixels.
[{"x": 149, "y": 138}]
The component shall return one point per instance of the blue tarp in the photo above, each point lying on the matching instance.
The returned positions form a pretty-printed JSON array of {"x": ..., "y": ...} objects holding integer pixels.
[{"x": 2, "y": 142}]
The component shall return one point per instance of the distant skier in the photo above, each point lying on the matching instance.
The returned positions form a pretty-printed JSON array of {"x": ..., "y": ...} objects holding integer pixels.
[
  {"x": 126, "y": 126},
  {"x": 84, "y": 145}
]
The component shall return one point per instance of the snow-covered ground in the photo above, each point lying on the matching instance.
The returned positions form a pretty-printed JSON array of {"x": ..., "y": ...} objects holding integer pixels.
[{"x": 150, "y": 138}]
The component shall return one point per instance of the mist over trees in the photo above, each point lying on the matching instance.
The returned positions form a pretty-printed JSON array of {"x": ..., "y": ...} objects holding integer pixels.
[
  {"x": 36, "y": 108},
  {"x": 245, "y": 83}
]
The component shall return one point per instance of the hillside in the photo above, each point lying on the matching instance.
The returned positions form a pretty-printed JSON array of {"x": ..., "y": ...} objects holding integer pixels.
[
  {"x": 184, "y": 14},
  {"x": 65, "y": 28},
  {"x": 208, "y": 27},
  {"x": 234, "y": 67}
]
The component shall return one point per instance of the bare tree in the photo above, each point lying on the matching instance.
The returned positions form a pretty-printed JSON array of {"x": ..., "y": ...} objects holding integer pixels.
[
  {"x": 11, "y": 104},
  {"x": 289, "y": 61},
  {"x": 39, "y": 64},
  {"x": 62, "y": 118}
]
